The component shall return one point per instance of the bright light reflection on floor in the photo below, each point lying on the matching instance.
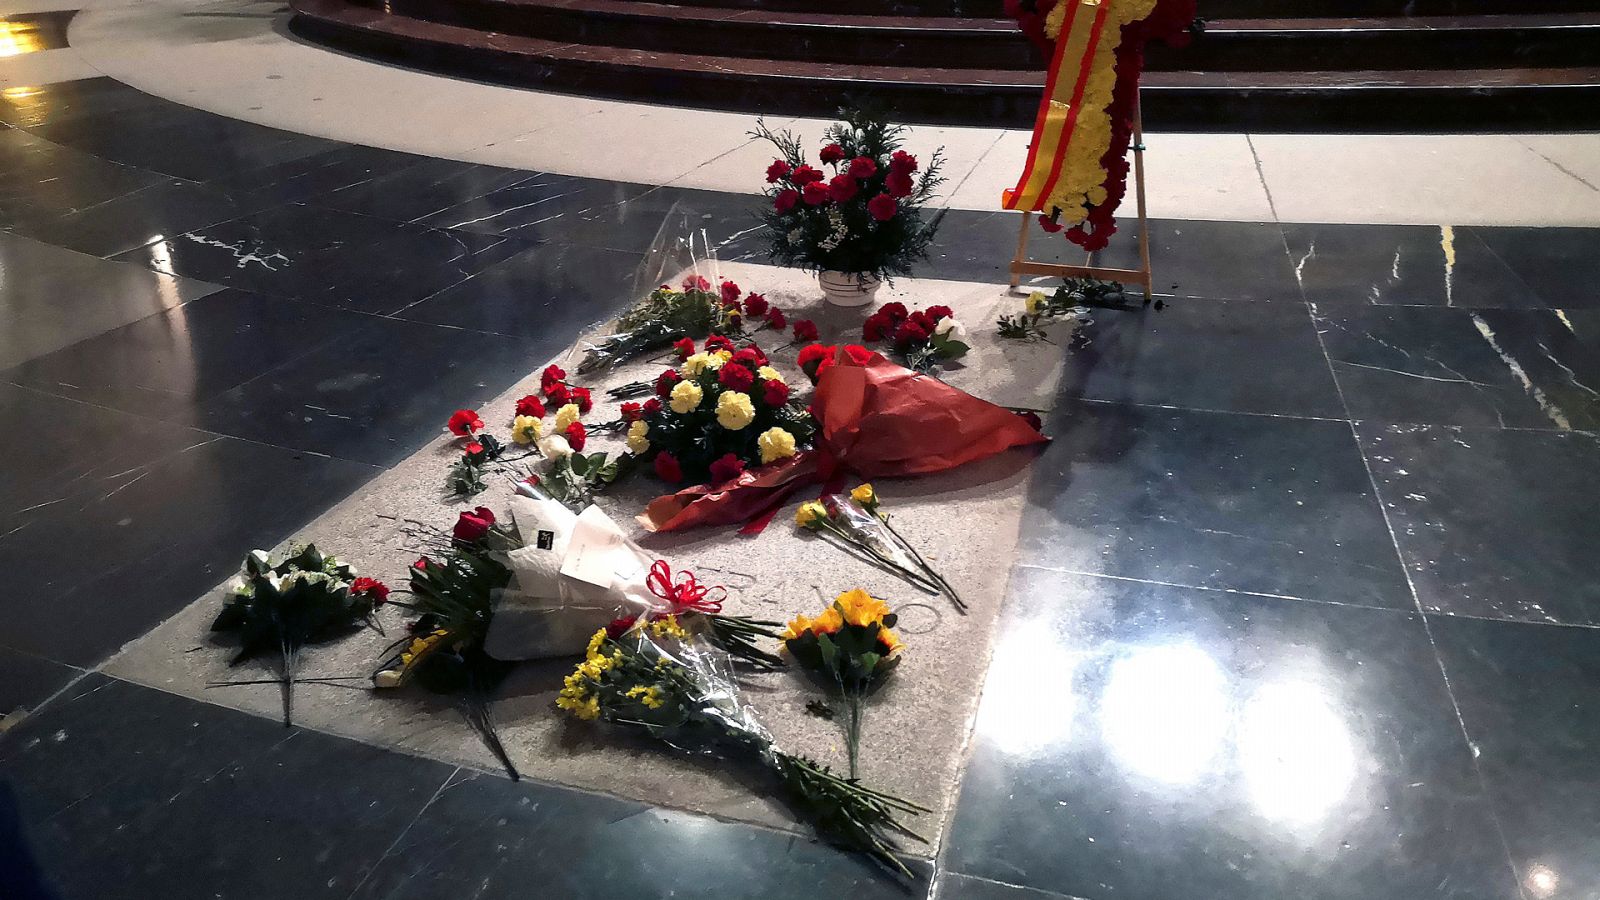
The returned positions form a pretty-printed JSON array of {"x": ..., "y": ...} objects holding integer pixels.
[
  {"x": 1542, "y": 881},
  {"x": 1295, "y": 752},
  {"x": 17, "y": 38},
  {"x": 1028, "y": 700},
  {"x": 1164, "y": 714}
]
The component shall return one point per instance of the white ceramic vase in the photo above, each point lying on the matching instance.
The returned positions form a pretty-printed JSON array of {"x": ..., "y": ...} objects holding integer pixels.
[{"x": 849, "y": 289}]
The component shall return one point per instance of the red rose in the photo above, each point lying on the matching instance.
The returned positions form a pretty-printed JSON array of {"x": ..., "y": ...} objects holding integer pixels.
[
  {"x": 895, "y": 311},
  {"x": 1049, "y": 224},
  {"x": 785, "y": 200},
  {"x": 935, "y": 313},
  {"x": 618, "y": 627},
  {"x": 775, "y": 392},
  {"x": 667, "y": 468},
  {"x": 863, "y": 167},
  {"x": 531, "y": 405},
  {"x": 814, "y": 194},
  {"x": 473, "y": 525},
  {"x": 812, "y": 357},
  {"x": 805, "y": 330},
  {"x": 882, "y": 207},
  {"x": 735, "y": 377},
  {"x": 909, "y": 333},
  {"x": 472, "y": 449},
  {"x": 858, "y": 354},
  {"x": 632, "y": 412},
  {"x": 875, "y": 326},
  {"x": 777, "y": 319},
  {"x": 685, "y": 347},
  {"x": 725, "y": 468},
  {"x": 696, "y": 283},
  {"x": 717, "y": 343},
  {"x": 551, "y": 376},
  {"x": 464, "y": 422},
  {"x": 652, "y": 406},
  {"x": 730, "y": 293},
  {"x": 755, "y": 305},
  {"x": 422, "y": 563},
  {"x": 804, "y": 175},
  {"x": 902, "y": 162},
  {"x": 1032, "y": 418},
  {"x": 777, "y": 170},
  {"x": 666, "y": 380},
  {"x": 580, "y": 396},
  {"x": 372, "y": 589},
  {"x": 559, "y": 395},
  {"x": 842, "y": 188},
  {"x": 898, "y": 184},
  {"x": 577, "y": 436},
  {"x": 831, "y": 154}
]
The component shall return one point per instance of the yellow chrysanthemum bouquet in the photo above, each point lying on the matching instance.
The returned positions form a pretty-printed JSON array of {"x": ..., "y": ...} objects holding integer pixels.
[
  {"x": 856, "y": 521},
  {"x": 849, "y": 646},
  {"x": 676, "y": 685}
]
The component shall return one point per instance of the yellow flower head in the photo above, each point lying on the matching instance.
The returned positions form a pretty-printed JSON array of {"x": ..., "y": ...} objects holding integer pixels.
[
  {"x": 637, "y": 442},
  {"x": 566, "y": 415},
  {"x": 828, "y": 623},
  {"x": 811, "y": 514},
  {"x": 860, "y": 608},
  {"x": 734, "y": 410},
  {"x": 1035, "y": 302},
  {"x": 890, "y": 642},
  {"x": 768, "y": 373},
  {"x": 667, "y": 626},
  {"x": 864, "y": 495},
  {"x": 526, "y": 429},
  {"x": 695, "y": 364},
  {"x": 774, "y": 444},
  {"x": 722, "y": 357},
  {"x": 685, "y": 397},
  {"x": 799, "y": 626},
  {"x": 598, "y": 639}
]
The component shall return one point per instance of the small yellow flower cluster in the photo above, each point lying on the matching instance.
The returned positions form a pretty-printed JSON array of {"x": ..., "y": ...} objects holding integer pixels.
[
  {"x": 734, "y": 410},
  {"x": 775, "y": 444},
  {"x": 686, "y": 396},
  {"x": 651, "y": 696},
  {"x": 1035, "y": 302},
  {"x": 667, "y": 626},
  {"x": 638, "y": 443}
]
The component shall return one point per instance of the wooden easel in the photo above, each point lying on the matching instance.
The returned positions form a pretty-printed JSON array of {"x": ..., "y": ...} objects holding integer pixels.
[{"x": 1021, "y": 265}]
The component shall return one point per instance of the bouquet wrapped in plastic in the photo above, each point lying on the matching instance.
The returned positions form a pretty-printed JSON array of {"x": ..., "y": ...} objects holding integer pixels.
[
  {"x": 576, "y": 572},
  {"x": 678, "y": 686},
  {"x": 876, "y": 419}
]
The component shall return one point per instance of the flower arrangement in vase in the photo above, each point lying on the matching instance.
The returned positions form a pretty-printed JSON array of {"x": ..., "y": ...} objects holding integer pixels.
[{"x": 858, "y": 219}]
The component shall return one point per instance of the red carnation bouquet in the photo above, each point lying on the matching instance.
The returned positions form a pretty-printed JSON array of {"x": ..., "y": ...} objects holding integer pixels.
[
  {"x": 861, "y": 212},
  {"x": 876, "y": 419}
]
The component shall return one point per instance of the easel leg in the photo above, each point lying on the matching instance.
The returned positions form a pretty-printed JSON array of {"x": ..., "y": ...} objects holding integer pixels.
[
  {"x": 1022, "y": 249},
  {"x": 1144, "y": 221}
]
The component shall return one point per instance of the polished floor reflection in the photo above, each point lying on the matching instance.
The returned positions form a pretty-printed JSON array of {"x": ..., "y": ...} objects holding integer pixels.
[{"x": 1305, "y": 605}]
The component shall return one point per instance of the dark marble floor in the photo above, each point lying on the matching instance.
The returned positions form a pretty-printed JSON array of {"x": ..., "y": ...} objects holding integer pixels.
[{"x": 1305, "y": 605}]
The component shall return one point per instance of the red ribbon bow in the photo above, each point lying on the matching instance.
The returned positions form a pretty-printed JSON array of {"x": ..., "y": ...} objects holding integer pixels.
[{"x": 687, "y": 595}]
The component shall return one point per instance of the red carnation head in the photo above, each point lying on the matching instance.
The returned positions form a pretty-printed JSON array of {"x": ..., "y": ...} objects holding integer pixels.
[
  {"x": 804, "y": 175},
  {"x": 473, "y": 525},
  {"x": 550, "y": 377},
  {"x": 580, "y": 396},
  {"x": 812, "y": 357},
  {"x": 696, "y": 283},
  {"x": 472, "y": 449},
  {"x": 882, "y": 207},
  {"x": 876, "y": 326},
  {"x": 1049, "y": 224},
  {"x": 858, "y": 354},
  {"x": 898, "y": 184},
  {"x": 815, "y": 194},
  {"x": 902, "y": 162},
  {"x": 777, "y": 170},
  {"x": 725, "y": 468},
  {"x": 632, "y": 412},
  {"x": 559, "y": 395},
  {"x": 735, "y": 377},
  {"x": 895, "y": 311},
  {"x": 922, "y": 320},
  {"x": 831, "y": 154},
  {"x": 531, "y": 406},
  {"x": 718, "y": 342},
  {"x": 935, "y": 313},
  {"x": 755, "y": 305},
  {"x": 774, "y": 392},
  {"x": 666, "y": 380},
  {"x": 618, "y": 627},
  {"x": 784, "y": 200},
  {"x": 730, "y": 294},
  {"x": 374, "y": 590},
  {"x": 805, "y": 330},
  {"x": 464, "y": 422},
  {"x": 667, "y": 468},
  {"x": 909, "y": 333},
  {"x": 863, "y": 167},
  {"x": 652, "y": 406},
  {"x": 750, "y": 356},
  {"x": 685, "y": 347},
  {"x": 777, "y": 319},
  {"x": 842, "y": 187},
  {"x": 577, "y": 436}
]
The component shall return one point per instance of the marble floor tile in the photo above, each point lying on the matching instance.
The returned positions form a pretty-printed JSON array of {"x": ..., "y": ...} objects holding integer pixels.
[
  {"x": 319, "y": 174},
  {"x": 1494, "y": 368},
  {"x": 27, "y": 681},
  {"x": 1137, "y": 740},
  {"x": 1525, "y": 699},
  {"x": 1497, "y": 524},
  {"x": 1402, "y": 265},
  {"x": 1236, "y": 502},
  {"x": 417, "y": 192},
  {"x": 139, "y": 218},
  {"x": 1562, "y": 265},
  {"x": 536, "y": 209}
]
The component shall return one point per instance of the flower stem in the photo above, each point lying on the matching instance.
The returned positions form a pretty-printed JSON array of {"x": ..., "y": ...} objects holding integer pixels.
[{"x": 950, "y": 591}]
